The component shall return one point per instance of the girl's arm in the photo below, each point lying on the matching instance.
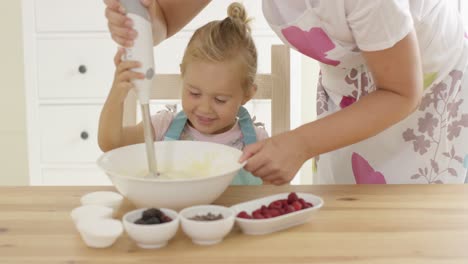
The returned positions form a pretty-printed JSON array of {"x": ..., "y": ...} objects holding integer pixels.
[{"x": 111, "y": 133}]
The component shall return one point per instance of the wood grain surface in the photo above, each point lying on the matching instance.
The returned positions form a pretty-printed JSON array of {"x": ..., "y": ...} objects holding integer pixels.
[{"x": 358, "y": 224}]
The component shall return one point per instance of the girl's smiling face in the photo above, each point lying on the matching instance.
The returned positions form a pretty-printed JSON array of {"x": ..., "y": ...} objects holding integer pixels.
[{"x": 212, "y": 94}]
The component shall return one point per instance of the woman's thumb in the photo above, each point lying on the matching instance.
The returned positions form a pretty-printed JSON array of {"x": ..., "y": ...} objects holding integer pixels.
[
  {"x": 249, "y": 151},
  {"x": 146, "y": 3}
]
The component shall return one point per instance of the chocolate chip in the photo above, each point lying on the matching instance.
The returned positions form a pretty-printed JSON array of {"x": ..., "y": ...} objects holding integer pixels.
[{"x": 207, "y": 217}]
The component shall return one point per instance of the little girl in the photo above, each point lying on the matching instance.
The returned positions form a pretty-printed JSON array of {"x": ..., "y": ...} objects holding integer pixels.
[{"x": 218, "y": 71}]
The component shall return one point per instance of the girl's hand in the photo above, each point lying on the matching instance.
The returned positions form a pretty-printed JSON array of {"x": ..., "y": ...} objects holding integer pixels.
[
  {"x": 120, "y": 26},
  {"x": 123, "y": 76},
  {"x": 276, "y": 160}
]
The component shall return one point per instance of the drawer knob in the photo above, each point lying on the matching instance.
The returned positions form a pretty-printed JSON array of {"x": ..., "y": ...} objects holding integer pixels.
[
  {"x": 84, "y": 135},
  {"x": 82, "y": 69}
]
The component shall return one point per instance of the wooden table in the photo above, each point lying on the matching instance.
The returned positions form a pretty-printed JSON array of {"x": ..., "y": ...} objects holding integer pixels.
[{"x": 358, "y": 224}]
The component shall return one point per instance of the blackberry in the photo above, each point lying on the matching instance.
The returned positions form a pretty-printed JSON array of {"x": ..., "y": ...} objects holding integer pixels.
[
  {"x": 140, "y": 222},
  {"x": 152, "y": 213},
  {"x": 153, "y": 221}
]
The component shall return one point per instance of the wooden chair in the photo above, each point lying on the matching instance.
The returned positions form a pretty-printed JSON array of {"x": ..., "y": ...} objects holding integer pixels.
[{"x": 274, "y": 86}]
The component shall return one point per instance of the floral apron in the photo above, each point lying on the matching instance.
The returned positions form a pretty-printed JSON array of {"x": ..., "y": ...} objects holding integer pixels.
[{"x": 429, "y": 146}]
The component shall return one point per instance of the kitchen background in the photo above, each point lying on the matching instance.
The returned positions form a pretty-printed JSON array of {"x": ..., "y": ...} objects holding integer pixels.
[{"x": 37, "y": 116}]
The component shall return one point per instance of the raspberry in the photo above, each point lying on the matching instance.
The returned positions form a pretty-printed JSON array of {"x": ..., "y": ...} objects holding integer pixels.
[
  {"x": 302, "y": 201},
  {"x": 297, "y": 205},
  {"x": 275, "y": 205},
  {"x": 257, "y": 215},
  {"x": 274, "y": 212},
  {"x": 282, "y": 211},
  {"x": 292, "y": 197},
  {"x": 267, "y": 215},
  {"x": 244, "y": 214},
  {"x": 289, "y": 209}
]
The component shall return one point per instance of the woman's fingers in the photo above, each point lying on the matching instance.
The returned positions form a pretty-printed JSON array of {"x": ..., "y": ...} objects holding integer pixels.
[
  {"x": 279, "y": 182},
  {"x": 119, "y": 24},
  {"x": 251, "y": 150},
  {"x": 113, "y": 4},
  {"x": 146, "y": 3}
]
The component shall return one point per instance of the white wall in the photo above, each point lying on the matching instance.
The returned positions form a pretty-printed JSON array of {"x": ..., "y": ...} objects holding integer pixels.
[{"x": 13, "y": 155}]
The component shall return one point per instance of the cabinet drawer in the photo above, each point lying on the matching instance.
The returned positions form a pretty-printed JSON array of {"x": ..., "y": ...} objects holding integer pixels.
[
  {"x": 70, "y": 15},
  {"x": 69, "y": 133},
  {"x": 74, "y": 176},
  {"x": 75, "y": 68}
]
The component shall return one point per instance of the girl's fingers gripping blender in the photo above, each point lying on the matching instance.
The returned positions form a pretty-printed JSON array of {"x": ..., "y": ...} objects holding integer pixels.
[{"x": 142, "y": 51}]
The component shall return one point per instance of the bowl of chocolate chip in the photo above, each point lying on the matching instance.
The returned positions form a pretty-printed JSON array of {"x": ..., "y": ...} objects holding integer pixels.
[
  {"x": 207, "y": 224},
  {"x": 151, "y": 227}
]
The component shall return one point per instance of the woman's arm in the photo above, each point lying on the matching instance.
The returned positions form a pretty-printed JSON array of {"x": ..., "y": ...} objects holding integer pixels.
[
  {"x": 178, "y": 13},
  {"x": 398, "y": 75},
  {"x": 168, "y": 17}
]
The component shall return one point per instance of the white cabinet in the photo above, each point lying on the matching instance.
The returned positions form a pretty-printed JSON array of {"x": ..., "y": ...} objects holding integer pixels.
[{"x": 68, "y": 73}]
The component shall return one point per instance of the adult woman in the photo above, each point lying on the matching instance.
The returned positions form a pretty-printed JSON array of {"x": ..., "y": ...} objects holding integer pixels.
[{"x": 390, "y": 96}]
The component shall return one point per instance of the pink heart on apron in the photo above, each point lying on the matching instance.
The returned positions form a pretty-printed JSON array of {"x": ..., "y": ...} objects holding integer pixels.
[
  {"x": 314, "y": 43},
  {"x": 364, "y": 173}
]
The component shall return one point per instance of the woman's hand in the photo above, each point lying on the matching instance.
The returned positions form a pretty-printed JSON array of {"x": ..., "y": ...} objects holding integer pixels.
[
  {"x": 121, "y": 27},
  {"x": 275, "y": 160}
]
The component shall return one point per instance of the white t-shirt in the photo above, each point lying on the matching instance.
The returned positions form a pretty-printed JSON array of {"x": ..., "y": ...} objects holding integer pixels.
[{"x": 371, "y": 25}]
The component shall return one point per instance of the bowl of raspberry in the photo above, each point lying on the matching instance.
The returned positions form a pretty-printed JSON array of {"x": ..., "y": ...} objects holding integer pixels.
[{"x": 276, "y": 212}]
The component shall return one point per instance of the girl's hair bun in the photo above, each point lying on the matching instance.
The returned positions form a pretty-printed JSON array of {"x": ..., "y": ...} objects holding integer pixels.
[{"x": 237, "y": 11}]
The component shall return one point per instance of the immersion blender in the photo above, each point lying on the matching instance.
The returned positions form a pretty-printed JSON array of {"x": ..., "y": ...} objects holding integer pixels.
[{"x": 142, "y": 51}]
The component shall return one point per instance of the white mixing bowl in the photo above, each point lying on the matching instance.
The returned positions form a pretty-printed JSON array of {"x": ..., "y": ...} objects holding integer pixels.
[{"x": 213, "y": 165}]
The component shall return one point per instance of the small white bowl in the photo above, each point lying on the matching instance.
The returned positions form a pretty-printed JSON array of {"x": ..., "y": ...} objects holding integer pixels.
[
  {"x": 99, "y": 232},
  {"x": 104, "y": 198},
  {"x": 91, "y": 211},
  {"x": 207, "y": 232},
  {"x": 151, "y": 236}
]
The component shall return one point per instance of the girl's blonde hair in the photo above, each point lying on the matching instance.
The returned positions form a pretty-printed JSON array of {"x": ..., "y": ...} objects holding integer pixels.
[{"x": 223, "y": 40}]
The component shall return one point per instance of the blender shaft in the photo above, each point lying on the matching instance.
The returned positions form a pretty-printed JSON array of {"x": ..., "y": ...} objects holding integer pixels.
[{"x": 149, "y": 140}]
